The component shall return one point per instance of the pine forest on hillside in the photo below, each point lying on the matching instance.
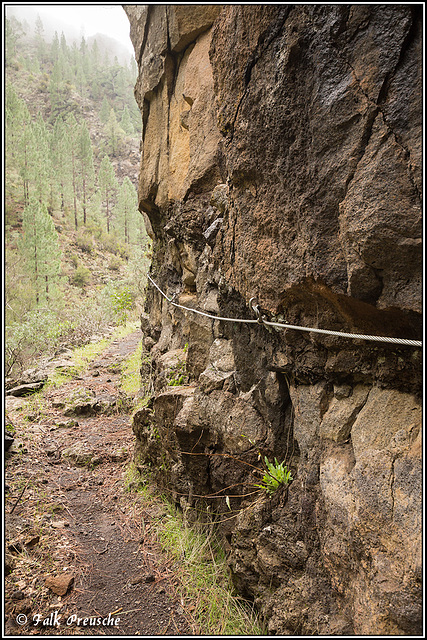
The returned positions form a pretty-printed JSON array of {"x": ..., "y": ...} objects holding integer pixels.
[{"x": 76, "y": 247}]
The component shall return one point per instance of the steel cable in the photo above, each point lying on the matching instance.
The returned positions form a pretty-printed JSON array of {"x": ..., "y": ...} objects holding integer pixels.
[{"x": 262, "y": 320}]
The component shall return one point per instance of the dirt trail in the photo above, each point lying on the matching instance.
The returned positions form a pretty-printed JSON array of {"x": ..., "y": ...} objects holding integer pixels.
[{"x": 74, "y": 521}]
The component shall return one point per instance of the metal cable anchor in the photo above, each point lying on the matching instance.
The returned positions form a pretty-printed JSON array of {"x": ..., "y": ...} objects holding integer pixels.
[{"x": 256, "y": 310}]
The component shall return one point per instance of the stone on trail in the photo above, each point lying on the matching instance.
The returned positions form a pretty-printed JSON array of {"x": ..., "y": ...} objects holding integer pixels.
[
  {"x": 25, "y": 389},
  {"x": 59, "y": 584}
]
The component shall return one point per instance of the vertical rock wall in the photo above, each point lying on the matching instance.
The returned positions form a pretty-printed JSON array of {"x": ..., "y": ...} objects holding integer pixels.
[{"x": 281, "y": 159}]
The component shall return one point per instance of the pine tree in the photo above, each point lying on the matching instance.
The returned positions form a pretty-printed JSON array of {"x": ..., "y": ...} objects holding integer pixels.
[
  {"x": 13, "y": 33},
  {"x": 35, "y": 66},
  {"x": 81, "y": 81},
  {"x": 54, "y": 48},
  {"x": 40, "y": 41},
  {"x": 126, "y": 210},
  {"x": 105, "y": 111},
  {"x": 25, "y": 146},
  {"x": 61, "y": 162},
  {"x": 114, "y": 133},
  {"x": 39, "y": 29},
  {"x": 119, "y": 83},
  {"x": 65, "y": 70},
  {"x": 57, "y": 102},
  {"x": 72, "y": 128},
  {"x": 95, "y": 54},
  {"x": 17, "y": 118},
  {"x": 40, "y": 160},
  {"x": 108, "y": 186},
  {"x": 106, "y": 61},
  {"x": 13, "y": 123},
  {"x": 133, "y": 69},
  {"x": 86, "y": 173},
  {"x": 40, "y": 249},
  {"x": 95, "y": 87},
  {"x": 64, "y": 55},
  {"x": 74, "y": 60},
  {"x": 126, "y": 123},
  {"x": 84, "y": 57}
]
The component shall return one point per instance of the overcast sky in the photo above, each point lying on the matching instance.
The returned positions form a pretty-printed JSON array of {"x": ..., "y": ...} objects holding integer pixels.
[{"x": 86, "y": 18}]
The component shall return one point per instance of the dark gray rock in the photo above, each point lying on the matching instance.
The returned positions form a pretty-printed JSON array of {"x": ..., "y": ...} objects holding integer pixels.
[
  {"x": 8, "y": 440},
  {"x": 25, "y": 389}
]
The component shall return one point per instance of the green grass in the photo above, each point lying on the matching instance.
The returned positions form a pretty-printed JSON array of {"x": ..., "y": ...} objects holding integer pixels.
[
  {"x": 35, "y": 406},
  {"x": 135, "y": 482},
  {"x": 57, "y": 378},
  {"x": 204, "y": 578},
  {"x": 124, "y": 330},
  {"x": 83, "y": 356},
  {"x": 131, "y": 376}
]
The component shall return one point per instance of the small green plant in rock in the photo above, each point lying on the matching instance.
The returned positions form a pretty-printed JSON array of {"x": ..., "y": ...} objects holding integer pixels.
[
  {"x": 10, "y": 427},
  {"x": 177, "y": 375},
  {"x": 141, "y": 403},
  {"x": 275, "y": 476}
]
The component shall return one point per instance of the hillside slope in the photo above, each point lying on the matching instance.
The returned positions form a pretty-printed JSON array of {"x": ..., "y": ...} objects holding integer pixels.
[{"x": 70, "y": 115}]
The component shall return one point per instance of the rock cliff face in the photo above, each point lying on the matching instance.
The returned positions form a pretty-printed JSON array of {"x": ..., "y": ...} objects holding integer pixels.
[{"x": 281, "y": 160}]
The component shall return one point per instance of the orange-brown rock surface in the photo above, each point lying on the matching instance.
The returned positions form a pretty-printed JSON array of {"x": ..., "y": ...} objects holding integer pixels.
[{"x": 281, "y": 160}]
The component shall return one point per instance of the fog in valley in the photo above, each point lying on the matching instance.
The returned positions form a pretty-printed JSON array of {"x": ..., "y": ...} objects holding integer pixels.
[{"x": 108, "y": 24}]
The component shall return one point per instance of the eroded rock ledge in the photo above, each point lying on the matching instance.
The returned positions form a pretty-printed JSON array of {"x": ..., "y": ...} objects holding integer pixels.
[{"x": 281, "y": 159}]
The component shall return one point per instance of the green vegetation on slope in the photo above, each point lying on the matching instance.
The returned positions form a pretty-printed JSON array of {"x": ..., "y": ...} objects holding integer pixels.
[{"x": 76, "y": 247}]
